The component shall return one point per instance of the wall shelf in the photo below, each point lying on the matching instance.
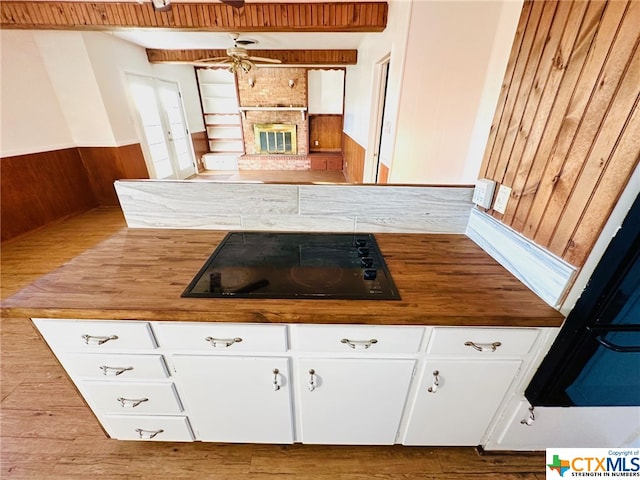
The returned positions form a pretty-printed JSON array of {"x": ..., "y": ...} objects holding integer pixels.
[{"x": 244, "y": 110}]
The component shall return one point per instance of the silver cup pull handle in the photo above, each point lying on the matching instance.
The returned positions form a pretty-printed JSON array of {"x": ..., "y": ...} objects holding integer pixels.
[
  {"x": 483, "y": 347},
  {"x": 359, "y": 344},
  {"x": 98, "y": 340},
  {"x": 436, "y": 382},
  {"x": 131, "y": 402},
  {"x": 312, "y": 380},
  {"x": 114, "y": 371},
  {"x": 148, "y": 434},
  {"x": 222, "y": 342}
]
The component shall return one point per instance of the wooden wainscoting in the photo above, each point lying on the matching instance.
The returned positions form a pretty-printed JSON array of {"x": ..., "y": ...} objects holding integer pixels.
[
  {"x": 353, "y": 159},
  {"x": 200, "y": 147},
  {"x": 40, "y": 188},
  {"x": 105, "y": 165},
  {"x": 565, "y": 132},
  {"x": 383, "y": 174}
]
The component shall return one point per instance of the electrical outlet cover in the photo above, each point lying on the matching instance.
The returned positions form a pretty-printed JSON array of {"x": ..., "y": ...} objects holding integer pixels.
[
  {"x": 483, "y": 193},
  {"x": 502, "y": 199}
]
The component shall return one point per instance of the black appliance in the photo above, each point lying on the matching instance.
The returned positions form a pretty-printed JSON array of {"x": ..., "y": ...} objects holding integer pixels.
[
  {"x": 295, "y": 265},
  {"x": 595, "y": 360}
]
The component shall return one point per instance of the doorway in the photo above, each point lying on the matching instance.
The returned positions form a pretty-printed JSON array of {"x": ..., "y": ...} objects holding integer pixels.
[
  {"x": 161, "y": 121},
  {"x": 382, "y": 154}
]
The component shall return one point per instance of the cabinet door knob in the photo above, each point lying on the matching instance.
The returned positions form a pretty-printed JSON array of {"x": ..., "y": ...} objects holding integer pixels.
[
  {"x": 364, "y": 344},
  {"x": 98, "y": 340},
  {"x": 482, "y": 347},
  {"x": 148, "y": 434},
  {"x": 436, "y": 382},
  {"x": 530, "y": 419},
  {"x": 222, "y": 342},
  {"x": 131, "y": 402},
  {"x": 276, "y": 379},
  {"x": 312, "y": 380},
  {"x": 107, "y": 370}
]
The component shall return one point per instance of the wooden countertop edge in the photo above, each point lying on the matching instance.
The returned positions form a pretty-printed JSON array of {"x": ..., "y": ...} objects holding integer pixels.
[{"x": 257, "y": 317}]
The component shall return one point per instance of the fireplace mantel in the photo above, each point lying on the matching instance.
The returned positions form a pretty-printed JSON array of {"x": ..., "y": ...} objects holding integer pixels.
[{"x": 244, "y": 110}]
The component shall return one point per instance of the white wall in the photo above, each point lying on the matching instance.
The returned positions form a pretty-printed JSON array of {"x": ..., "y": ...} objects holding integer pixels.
[
  {"x": 31, "y": 119},
  {"x": 448, "y": 59},
  {"x": 63, "y": 89},
  {"x": 451, "y": 83}
]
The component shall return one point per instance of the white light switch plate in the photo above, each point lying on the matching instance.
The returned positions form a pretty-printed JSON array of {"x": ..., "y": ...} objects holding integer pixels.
[{"x": 502, "y": 198}]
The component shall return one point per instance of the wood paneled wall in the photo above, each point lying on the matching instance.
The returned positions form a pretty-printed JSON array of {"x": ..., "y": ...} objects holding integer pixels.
[
  {"x": 104, "y": 165},
  {"x": 40, "y": 188},
  {"x": 566, "y": 132},
  {"x": 354, "y": 155},
  {"x": 326, "y": 130},
  {"x": 200, "y": 146}
]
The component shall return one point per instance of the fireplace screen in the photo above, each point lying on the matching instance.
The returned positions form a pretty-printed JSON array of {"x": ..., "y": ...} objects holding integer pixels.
[{"x": 274, "y": 138}]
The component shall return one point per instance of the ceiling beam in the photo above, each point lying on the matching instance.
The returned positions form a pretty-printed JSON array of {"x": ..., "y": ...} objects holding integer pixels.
[
  {"x": 287, "y": 57},
  {"x": 212, "y": 17}
]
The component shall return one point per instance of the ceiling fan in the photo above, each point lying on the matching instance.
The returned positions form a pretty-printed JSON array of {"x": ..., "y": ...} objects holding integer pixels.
[{"x": 238, "y": 57}]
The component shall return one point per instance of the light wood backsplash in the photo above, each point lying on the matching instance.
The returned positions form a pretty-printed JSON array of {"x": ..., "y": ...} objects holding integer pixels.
[{"x": 565, "y": 135}]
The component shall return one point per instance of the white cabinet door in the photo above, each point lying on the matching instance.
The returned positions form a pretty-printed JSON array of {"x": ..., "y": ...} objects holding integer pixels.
[
  {"x": 567, "y": 427},
  {"x": 236, "y": 399},
  {"x": 457, "y": 399},
  {"x": 352, "y": 401}
]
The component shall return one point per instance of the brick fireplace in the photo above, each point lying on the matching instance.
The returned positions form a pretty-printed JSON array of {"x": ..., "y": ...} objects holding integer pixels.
[{"x": 267, "y": 96}]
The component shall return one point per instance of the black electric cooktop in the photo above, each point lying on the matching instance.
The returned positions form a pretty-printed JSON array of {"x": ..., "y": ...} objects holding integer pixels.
[{"x": 295, "y": 265}]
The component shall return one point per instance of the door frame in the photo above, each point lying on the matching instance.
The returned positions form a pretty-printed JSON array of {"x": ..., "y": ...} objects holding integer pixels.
[{"x": 380, "y": 83}]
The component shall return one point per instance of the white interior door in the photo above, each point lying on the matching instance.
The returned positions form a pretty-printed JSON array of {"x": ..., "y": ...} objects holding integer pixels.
[
  {"x": 177, "y": 131},
  {"x": 159, "y": 114}
]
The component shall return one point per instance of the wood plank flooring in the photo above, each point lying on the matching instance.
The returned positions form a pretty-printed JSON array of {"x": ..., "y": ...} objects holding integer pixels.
[{"x": 48, "y": 432}]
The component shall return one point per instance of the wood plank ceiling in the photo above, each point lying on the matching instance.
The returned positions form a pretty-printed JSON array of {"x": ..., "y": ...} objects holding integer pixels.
[{"x": 206, "y": 17}]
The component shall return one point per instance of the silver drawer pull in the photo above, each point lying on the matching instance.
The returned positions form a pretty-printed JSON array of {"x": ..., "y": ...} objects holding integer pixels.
[
  {"x": 529, "y": 421},
  {"x": 107, "y": 371},
  {"x": 436, "y": 382},
  {"x": 481, "y": 347},
  {"x": 222, "y": 342},
  {"x": 364, "y": 344},
  {"x": 148, "y": 434},
  {"x": 93, "y": 340},
  {"x": 131, "y": 402},
  {"x": 276, "y": 379}
]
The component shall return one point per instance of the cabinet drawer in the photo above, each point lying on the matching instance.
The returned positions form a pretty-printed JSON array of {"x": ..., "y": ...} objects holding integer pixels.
[
  {"x": 356, "y": 338},
  {"x": 136, "y": 398},
  {"x": 221, "y": 337},
  {"x": 95, "y": 335},
  {"x": 481, "y": 341},
  {"x": 114, "y": 366},
  {"x": 156, "y": 428}
]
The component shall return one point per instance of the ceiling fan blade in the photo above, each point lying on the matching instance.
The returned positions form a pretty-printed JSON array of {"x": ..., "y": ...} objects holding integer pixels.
[
  {"x": 265, "y": 60},
  {"x": 234, "y": 3},
  {"x": 214, "y": 59}
]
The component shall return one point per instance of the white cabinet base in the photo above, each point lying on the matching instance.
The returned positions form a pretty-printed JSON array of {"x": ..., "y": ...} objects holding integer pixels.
[{"x": 570, "y": 427}]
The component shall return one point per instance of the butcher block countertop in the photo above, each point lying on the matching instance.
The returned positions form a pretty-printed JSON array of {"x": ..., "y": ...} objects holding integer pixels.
[{"x": 141, "y": 273}]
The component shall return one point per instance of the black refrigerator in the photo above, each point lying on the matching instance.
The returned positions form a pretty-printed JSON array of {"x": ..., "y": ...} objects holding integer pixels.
[{"x": 595, "y": 359}]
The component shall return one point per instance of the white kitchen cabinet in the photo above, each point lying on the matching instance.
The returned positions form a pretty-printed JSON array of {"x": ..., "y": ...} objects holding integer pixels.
[
  {"x": 122, "y": 375},
  {"x": 352, "y": 401},
  {"x": 149, "y": 427},
  {"x": 565, "y": 427},
  {"x": 237, "y": 398},
  {"x": 456, "y": 400}
]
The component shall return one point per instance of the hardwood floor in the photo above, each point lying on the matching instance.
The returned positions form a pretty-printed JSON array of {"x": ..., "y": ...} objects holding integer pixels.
[{"x": 49, "y": 433}]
